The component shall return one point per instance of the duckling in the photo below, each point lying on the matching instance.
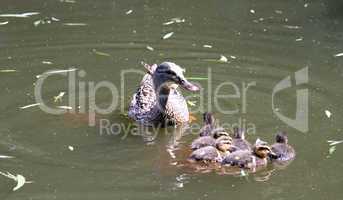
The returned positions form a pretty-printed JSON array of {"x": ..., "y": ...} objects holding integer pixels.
[
  {"x": 157, "y": 100},
  {"x": 208, "y": 133},
  {"x": 208, "y": 140},
  {"x": 209, "y": 124},
  {"x": 239, "y": 141},
  {"x": 283, "y": 151},
  {"x": 250, "y": 160},
  {"x": 212, "y": 153}
]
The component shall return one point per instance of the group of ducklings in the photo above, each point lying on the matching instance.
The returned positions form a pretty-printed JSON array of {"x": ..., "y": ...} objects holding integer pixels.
[{"x": 214, "y": 144}]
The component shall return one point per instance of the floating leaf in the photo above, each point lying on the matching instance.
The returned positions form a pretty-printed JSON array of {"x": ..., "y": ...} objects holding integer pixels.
[
  {"x": 5, "y": 157},
  {"x": 65, "y": 107},
  {"x": 56, "y": 72},
  {"x": 223, "y": 58},
  {"x": 334, "y": 142},
  {"x": 29, "y": 106},
  {"x": 38, "y": 22},
  {"x": 149, "y": 48},
  {"x": 328, "y": 113},
  {"x": 7, "y": 70},
  {"x": 278, "y": 12},
  {"x": 338, "y": 55},
  {"x": 75, "y": 24},
  {"x": 174, "y": 20},
  {"x": 55, "y": 19},
  {"x": 168, "y": 35},
  {"x": 292, "y": 27},
  {"x": 101, "y": 53},
  {"x": 332, "y": 150},
  {"x": 3, "y": 23},
  {"x": 20, "y": 179},
  {"x": 45, "y": 21},
  {"x": 21, "y": 15},
  {"x": 191, "y": 103},
  {"x": 47, "y": 62},
  {"x": 178, "y": 20},
  {"x": 71, "y": 148},
  {"x": 207, "y": 46},
  {"x": 168, "y": 23},
  {"x": 129, "y": 12},
  {"x": 20, "y": 182},
  {"x": 59, "y": 97}
]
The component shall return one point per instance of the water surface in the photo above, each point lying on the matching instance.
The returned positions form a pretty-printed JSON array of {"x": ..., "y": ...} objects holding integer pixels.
[{"x": 264, "y": 41}]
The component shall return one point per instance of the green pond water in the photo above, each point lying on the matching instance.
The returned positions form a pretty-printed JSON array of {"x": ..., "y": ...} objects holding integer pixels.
[{"x": 263, "y": 42}]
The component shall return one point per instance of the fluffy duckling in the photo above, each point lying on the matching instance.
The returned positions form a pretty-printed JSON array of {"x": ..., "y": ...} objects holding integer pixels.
[
  {"x": 238, "y": 140},
  {"x": 212, "y": 153},
  {"x": 250, "y": 160},
  {"x": 208, "y": 133},
  {"x": 283, "y": 151},
  {"x": 209, "y": 124},
  {"x": 208, "y": 140}
]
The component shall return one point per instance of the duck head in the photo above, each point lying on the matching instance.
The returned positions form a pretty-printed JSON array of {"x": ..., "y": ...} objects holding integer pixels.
[
  {"x": 168, "y": 75},
  {"x": 262, "y": 150},
  {"x": 217, "y": 133},
  {"x": 224, "y": 143},
  {"x": 281, "y": 138}
]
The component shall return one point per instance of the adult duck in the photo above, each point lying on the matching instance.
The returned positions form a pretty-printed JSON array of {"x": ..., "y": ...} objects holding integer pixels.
[{"x": 157, "y": 100}]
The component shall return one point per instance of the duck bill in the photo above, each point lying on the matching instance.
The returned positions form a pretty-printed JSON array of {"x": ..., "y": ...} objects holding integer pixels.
[
  {"x": 189, "y": 86},
  {"x": 273, "y": 155}
]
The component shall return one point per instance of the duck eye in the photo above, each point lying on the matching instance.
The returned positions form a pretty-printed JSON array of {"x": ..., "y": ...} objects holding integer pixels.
[{"x": 171, "y": 73}]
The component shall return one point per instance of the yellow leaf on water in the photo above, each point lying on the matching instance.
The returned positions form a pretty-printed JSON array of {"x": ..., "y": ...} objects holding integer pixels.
[
  {"x": 149, "y": 48},
  {"x": 191, "y": 103},
  {"x": 20, "y": 179},
  {"x": 332, "y": 149},
  {"x": 3, "y": 23},
  {"x": 328, "y": 113},
  {"x": 168, "y": 35},
  {"x": 5, "y": 157},
  {"x": 29, "y": 106},
  {"x": 75, "y": 24},
  {"x": 207, "y": 46},
  {"x": 101, "y": 53},
  {"x": 20, "y": 15},
  {"x": 20, "y": 182},
  {"x": 7, "y": 70},
  {"x": 71, "y": 148},
  {"x": 223, "y": 58},
  {"x": 338, "y": 55}
]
